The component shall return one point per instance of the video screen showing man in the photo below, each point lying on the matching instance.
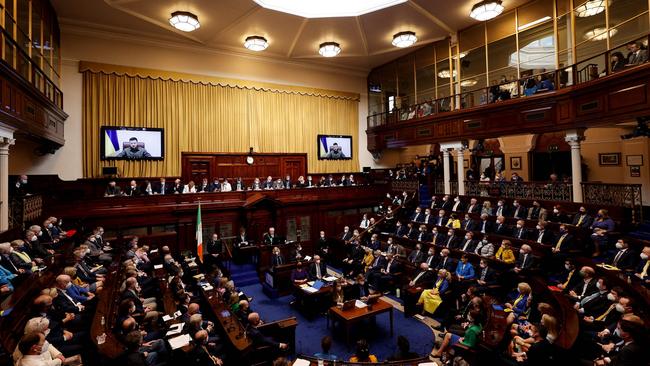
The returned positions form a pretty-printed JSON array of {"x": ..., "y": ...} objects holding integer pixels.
[
  {"x": 133, "y": 151},
  {"x": 336, "y": 152}
]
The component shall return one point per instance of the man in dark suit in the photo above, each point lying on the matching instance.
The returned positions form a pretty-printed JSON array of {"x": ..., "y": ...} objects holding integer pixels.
[
  {"x": 596, "y": 303},
  {"x": 287, "y": 182},
  {"x": 354, "y": 261},
  {"x": 525, "y": 259},
  {"x": 452, "y": 240},
  {"x": 428, "y": 217},
  {"x": 423, "y": 234},
  {"x": 161, "y": 188},
  {"x": 562, "y": 244},
  {"x": 437, "y": 238},
  {"x": 445, "y": 262},
  {"x": 317, "y": 270},
  {"x": 347, "y": 234},
  {"x": 412, "y": 232},
  {"x": 431, "y": 259},
  {"x": 270, "y": 238},
  {"x": 360, "y": 289},
  {"x": 543, "y": 236},
  {"x": 519, "y": 211},
  {"x": 485, "y": 276},
  {"x": 215, "y": 252},
  {"x": 177, "y": 188},
  {"x": 268, "y": 183},
  {"x": 520, "y": 231},
  {"x": 473, "y": 207},
  {"x": 484, "y": 226},
  {"x": 500, "y": 227},
  {"x": 205, "y": 186},
  {"x": 418, "y": 216},
  {"x": 447, "y": 203},
  {"x": 416, "y": 256},
  {"x": 582, "y": 218},
  {"x": 458, "y": 205},
  {"x": 132, "y": 190},
  {"x": 423, "y": 278},
  {"x": 215, "y": 186},
  {"x": 535, "y": 211},
  {"x": 468, "y": 245},
  {"x": 388, "y": 274},
  {"x": 502, "y": 209},
  {"x": 442, "y": 218},
  {"x": 586, "y": 287},
  {"x": 260, "y": 339},
  {"x": 625, "y": 258},
  {"x": 468, "y": 224}
]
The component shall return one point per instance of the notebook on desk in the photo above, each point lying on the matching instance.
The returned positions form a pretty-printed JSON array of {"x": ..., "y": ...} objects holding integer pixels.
[{"x": 317, "y": 284}]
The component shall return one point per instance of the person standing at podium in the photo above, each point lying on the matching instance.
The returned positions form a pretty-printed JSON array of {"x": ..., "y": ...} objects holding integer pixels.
[{"x": 270, "y": 238}]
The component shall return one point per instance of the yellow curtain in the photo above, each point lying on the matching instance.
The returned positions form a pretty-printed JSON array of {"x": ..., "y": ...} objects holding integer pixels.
[{"x": 208, "y": 117}]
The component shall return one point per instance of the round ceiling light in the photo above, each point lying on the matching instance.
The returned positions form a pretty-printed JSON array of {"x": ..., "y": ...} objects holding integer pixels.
[
  {"x": 329, "y": 49},
  {"x": 486, "y": 10},
  {"x": 444, "y": 74},
  {"x": 404, "y": 39},
  {"x": 256, "y": 43},
  {"x": 460, "y": 55},
  {"x": 184, "y": 21},
  {"x": 469, "y": 82},
  {"x": 590, "y": 8},
  {"x": 599, "y": 34}
]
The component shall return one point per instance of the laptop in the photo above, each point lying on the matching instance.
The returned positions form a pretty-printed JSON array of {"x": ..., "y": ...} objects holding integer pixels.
[
  {"x": 348, "y": 305},
  {"x": 372, "y": 300}
]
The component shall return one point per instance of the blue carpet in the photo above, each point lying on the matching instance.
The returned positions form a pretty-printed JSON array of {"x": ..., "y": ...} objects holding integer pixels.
[
  {"x": 244, "y": 274},
  {"x": 310, "y": 330}
]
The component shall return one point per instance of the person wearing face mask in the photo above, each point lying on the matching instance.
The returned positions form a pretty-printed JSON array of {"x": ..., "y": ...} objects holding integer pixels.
[
  {"x": 562, "y": 245},
  {"x": 501, "y": 209},
  {"x": 431, "y": 259},
  {"x": 632, "y": 349},
  {"x": 643, "y": 269},
  {"x": 485, "y": 276},
  {"x": 423, "y": 278},
  {"x": 519, "y": 211},
  {"x": 418, "y": 216},
  {"x": 36, "y": 249},
  {"x": 445, "y": 262},
  {"x": 525, "y": 259},
  {"x": 500, "y": 227},
  {"x": 605, "y": 323},
  {"x": 543, "y": 236},
  {"x": 484, "y": 226},
  {"x": 437, "y": 238},
  {"x": 535, "y": 211},
  {"x": 317, "y": 270},
  {"x": 625, "y": 258},
  {"x": 582, "y": 219},
  {"x": 586, "y": 287},
  {"x": 520, "y": 231},
  {"x": 569, "y": 277},
  {"x": 457, "y": 205},
  {"x": 276, "y": 258},
  {"x": 417, "y": 256},
  {"x": 485, "y": 248},
  {"x": 505, "y": 253},
  {"x": 447, "y": 203},
  {"x": 431, "y": 299},
  {"x": 347, "y": 234},
  {"x": 468, "y": 224},
  {"x": 603, "y": 221},
  {"x": 353, "y": 262},
  {"x": 451, "y": 241},
  {"x": 442, "y": 218},
  {"x": 558, "y": 215},
  {"x": 468, "y": 244},
  {"x": 14, "y": 263},
  {"x": 597, "y": 303},
  {"x": 520, "y": 305},
  {"x": 470, "y": 339},
  {"x": 465, "y": 270},
  {"x": 34, "y": 350},
  {"x": 144, "y": 306}
]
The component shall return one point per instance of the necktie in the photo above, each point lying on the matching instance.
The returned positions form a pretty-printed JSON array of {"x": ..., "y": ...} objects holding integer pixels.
[
  {"x": 559, "y": 242},
  {"x": 499, "y": 211},
  {"x": 604, "y": 315},
  {"x": 420, "y": 236},
  {"x": 580, "y": 220},
  {"x": 467, "y": 224},
  {"x": 523, "y": 263},
  {"x": 645, "y": 269},
  {"x": 483, "y": 227},
  {"x": 519, "y": 234},
  {"x": 516, "y": 212},
  {"x": 568, "y": 278},
  {"x": 466, "y": 245},
  {"x": 388, "y": 267},
  {"x": 618, "y": 257},
  {"x": 430, "y": 259},
  {"x": 541, "y": 235},
  {"x": 318, "y": 275},
  {"x": 483, "y": 273}
]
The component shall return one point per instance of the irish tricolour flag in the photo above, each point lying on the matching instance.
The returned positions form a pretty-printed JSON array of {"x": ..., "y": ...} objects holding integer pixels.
[{"x": 199, "y": 234}]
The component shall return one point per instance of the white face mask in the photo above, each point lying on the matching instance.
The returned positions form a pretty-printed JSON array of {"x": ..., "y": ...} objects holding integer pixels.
[
  {"x": 643, "y": 256},
  {"x": 68, "y": 285},
  {"x": 45, "y": 348},
  {"x": 611, "y": 297},
  {"x": 522, "y": 251},
  {"x": 518, "y": 226},
  {"x": 49, "y": 226},
  {"x": 599, "y": 286},
  {"x": 34, "y": 238},
  {"x": 568, "y": 267},
  {"x": 46, "y": 332},
  {"x": 620, "y": 308},
  {"x": 619, "y": 246}
]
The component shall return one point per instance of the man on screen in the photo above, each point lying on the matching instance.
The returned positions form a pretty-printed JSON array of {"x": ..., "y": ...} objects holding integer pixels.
[
  {"x": 133, "y": 151},
  {"x": 336, "y": 152}
]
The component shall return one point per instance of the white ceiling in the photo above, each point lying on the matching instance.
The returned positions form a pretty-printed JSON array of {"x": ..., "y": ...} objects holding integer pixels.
[{"x": 365, "y": 40}]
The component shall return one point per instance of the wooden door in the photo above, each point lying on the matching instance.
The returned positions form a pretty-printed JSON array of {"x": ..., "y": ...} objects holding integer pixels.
[
  {"x": 294, "y": 168},
  {"x": 199, "y": 169}
]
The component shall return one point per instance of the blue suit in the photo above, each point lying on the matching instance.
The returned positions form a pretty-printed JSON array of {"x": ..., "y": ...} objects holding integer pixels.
[
  {"x": 520, "y": 307},
  {"x": 5, "y": 277},
  {"x": 466, "y": 270},
  {"x": 76, "y": 293}
]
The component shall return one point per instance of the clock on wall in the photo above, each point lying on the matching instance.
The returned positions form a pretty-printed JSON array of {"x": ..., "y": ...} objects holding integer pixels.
[{"x": 250, "y": 160}]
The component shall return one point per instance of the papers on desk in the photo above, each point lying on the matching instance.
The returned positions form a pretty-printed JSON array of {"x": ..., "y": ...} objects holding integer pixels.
[
  {"x": 329, "y": 278},
  {"x": 180, "y": 341},
  {"x": 152, "y": 251},
  {"x": 174, "y": 330},
  {"x": 199, "y": 277},
  {"x": 307, "y": 258},
  {"x": 192, "y": 264},
  {"x": 170, "y": 317},
  {"x": 301, "y": 362},
  {"x": 189, "y": 259},
  {"x": 427, "y": 364},
  {"x": 305, "y": 287},
  {"x": 206, "y": 286},
  {"x": 360, "y": 304},
  {"x": 157, "y": 266}
]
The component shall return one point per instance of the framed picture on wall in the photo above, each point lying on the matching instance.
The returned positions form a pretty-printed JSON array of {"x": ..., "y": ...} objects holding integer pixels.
[
  {"x": 515, "y": 162},
  {"x": 634, "y": 160},
  {"x": 635, "y": 171},
  {"x": 609, "y": 159}
]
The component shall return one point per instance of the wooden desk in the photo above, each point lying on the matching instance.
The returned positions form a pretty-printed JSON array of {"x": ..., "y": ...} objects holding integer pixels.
[
  {"x": 351, "y": 316},
  {"x": 229, "y": 322},
  {"x": 314, "y": 302}
]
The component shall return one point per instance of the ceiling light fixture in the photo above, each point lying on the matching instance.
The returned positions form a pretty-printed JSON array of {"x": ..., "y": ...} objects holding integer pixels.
[
  {"x": 256, "y": 43},
  {"x": 327, "y": 9},
  {"x": 184, "y": 21},
  {"x": 444, "y": 74},
  {"x": 599, "y": 34},
  {"x": 486, "y": 10},
  {"x": 460, "y": 55},
  {"x": 329, "y": 49},
  {"x": 469, "y": 82},
  {"x": 590, "y": 8},
  {"x": 404, "y": 39},
  {"x": 533, "y": 23}
]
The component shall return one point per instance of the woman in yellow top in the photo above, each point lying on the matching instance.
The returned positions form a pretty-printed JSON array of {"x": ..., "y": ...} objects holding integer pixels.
[
  {"x": 430, "y": 299},
  {"x": 368, "y": 258},
  {"x": 362, "y": 353},
  {"x": 453, "y": 222},
  {"x": 505, "y": 253}
]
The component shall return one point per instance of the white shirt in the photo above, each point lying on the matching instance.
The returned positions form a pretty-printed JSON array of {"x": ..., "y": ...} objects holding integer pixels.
[
  {"x": 187, "y": 189},
  {"x": 364, "y": 224},
  {"x": 226, "y": 187}
]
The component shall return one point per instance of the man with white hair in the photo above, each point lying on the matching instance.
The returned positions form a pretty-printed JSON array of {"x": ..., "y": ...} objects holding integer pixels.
[{"x": 34, "y": 350}]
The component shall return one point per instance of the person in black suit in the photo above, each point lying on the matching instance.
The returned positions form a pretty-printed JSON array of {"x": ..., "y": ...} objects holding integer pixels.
[
  {"x": 132, "y": 190},
  {"x": 323, "y": 246},
  {"x": 388, "y": 273},
  {"x": 437, "y": 238},
  {"x": 360, "y": 289},
  {"x": 633, "y": 349},
  {"x": 418, "y": 216},
  {"x": 535, "y": 211},
  {"x": 215, "y": 251},
  {"x": 442, "y": 219},
  {"x": 431, "y": 258},
  {"x": 468, "y": 245},
  {"x": 112, "y": 190},
  {"x": 354, "y": 261},
  {"x": 519, "y": 211},
  {"x": 485, "y": 276},
  {"x": 161, "y": 187},
  {"x": 501, "y": 209},
  {"x": 543, "y": 236},
  {"x": 296, "y": 254},
  {"x": 347, "y": 234},
  {"x": 447, "y": 203},
  {"x": 258, "y": 338},
  {"x": 596, "y": 303},
  {"x": 286, "y": 183},
  {"x": 625, "y": 258},
  {"x": 374, "y": 269},
  {"x": 268, "y": 183},
  {"x": 178, "y": 187},
  {"x": 411, "y": 232},
  {"x": 468, "y": 224},
  {"x": 452, "y": 241},
  {"x": 423, "y": 234},
  {"x": 520, "y": 231},
  {"x": 270, "y": 238},
  {"x": 276, "y": 258},
  {"x": 582, "y": 218},
  {"x": 561, "y": 246},
  {"x": 445, "y": 262},
  {"x": 205, "y": 186},
  {"x": 525, "y": 259},
  {"x": 317, "y": 270},
  {"x": 569, "y": 277},
  {"x": 474, "y": 206},
  {"x": 586, "y": 287},
  {"x": 423, "y": 278},
  {"x": 416, "y": 256},
  {"x": 500, "y": 227},
  {"x": 457, "y": 205},
  {"x": 484, "y": 226},
  {"x": 200, "y": 354}
]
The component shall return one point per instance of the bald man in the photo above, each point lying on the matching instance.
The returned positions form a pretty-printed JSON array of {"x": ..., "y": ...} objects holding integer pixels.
[{"x": 258, "y": 338}]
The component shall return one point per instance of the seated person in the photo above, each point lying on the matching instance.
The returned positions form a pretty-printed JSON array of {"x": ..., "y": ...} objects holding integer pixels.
[
  {"x": 258, "y": 338},
  {"x": 519, "y": 307},
  {"x": 525, "y": 259},
  {"x": 318, "y": 269},
  {"x": 299, "y": 275},
  {"x": 569, "y": 277},
  {"x": 505, "y": 253},
  {"x": 325, "y": 354},
  {"x": 404, "y": 350},
  {"x": 431, "y": 299},
  {"x": 465, "y": 270},
  {"x": 643, "y": 269},
  {"x": 470, "y": 339},
  {"x": 362, "y": 353},
  {"x": 416, "y": 256},
  {"x": 624, "y": 258}
]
